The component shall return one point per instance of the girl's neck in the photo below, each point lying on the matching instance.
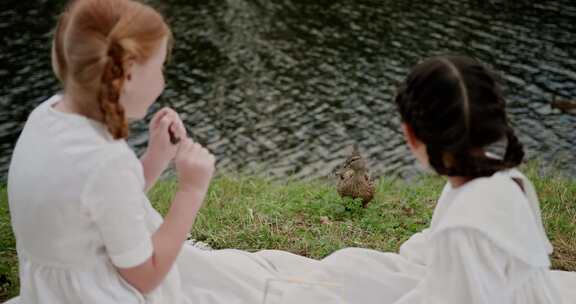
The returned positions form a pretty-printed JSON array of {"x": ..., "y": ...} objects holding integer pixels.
[
  {"x": 457, "y": 181},
  {"x": 74, "y": 105},
  {"x": 66, "y": 105}
]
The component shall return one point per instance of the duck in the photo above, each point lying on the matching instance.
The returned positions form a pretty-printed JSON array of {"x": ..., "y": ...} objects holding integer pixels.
[
  {"x": 564, "y": 105},
  {"x": 354, "y": 179}
]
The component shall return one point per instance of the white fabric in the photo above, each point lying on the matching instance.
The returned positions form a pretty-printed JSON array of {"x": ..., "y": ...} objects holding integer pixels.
[
  {"x": 501, "y": 213},
  {"x": 113, "y": 198},
  {"x": 78, "y": 208}
]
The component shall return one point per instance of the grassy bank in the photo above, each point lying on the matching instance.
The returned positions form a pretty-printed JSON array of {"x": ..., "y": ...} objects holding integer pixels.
[{"x": 309, "y": 218}]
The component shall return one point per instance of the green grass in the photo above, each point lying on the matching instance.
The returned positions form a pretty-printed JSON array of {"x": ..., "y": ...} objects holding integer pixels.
[{"x": 309, "y": 218}]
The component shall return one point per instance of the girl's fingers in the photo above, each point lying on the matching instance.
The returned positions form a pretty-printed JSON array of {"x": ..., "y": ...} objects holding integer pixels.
[
  {"x": 166, "y": 111},
  {"x": 164, "y": 124},
  {"x": 174, "y": 123},
  {"x": 158, "y": 117},
  {"x": 174, "y": 137},
  {"x": 183, "y": 132},
  {"x": 184, "y": 146},
  {"x": 176, "y": 117},
  {"x": 178, "y": 128}
]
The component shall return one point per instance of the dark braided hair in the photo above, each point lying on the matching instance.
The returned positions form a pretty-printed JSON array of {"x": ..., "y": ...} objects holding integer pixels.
[{"x": 455, "y": 106}]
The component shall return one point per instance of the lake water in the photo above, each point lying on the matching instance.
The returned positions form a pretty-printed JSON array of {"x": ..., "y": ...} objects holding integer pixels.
[{"x": 284, "y": 87}]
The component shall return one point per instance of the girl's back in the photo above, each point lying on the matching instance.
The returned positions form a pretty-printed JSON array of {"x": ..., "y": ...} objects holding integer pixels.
[
  {"x": 52, "y": 161},
  {"x": 487, "y": 238},
  {"x": 50, "y": 174}
]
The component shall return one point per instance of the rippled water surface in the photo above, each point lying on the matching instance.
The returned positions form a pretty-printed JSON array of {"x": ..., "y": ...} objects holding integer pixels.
[{"x": 286, "y": 86}]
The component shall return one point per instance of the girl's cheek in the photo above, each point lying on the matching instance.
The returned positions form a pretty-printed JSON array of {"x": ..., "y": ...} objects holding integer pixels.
[{"x": 161, "y": 83}]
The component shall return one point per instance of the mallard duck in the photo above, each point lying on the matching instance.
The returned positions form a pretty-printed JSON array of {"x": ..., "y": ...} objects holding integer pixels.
[
  {"x": 564, "y": 105},
  {"x": 354, "y": 179}
]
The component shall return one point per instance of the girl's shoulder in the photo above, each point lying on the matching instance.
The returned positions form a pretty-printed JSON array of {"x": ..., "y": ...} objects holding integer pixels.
[
  {"x": 70, "y": 142},
  {"x": 502, "y": 209},
  {"x": 498, "y": 188}
]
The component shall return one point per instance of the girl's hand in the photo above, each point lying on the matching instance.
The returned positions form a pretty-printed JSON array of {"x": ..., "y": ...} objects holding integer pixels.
[
  {"x": 160, "y": 148},
  {"x": 194, "y": 166}
]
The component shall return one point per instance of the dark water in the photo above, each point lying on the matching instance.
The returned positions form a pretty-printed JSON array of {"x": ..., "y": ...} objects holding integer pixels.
[{"x": 285, "y": 86}]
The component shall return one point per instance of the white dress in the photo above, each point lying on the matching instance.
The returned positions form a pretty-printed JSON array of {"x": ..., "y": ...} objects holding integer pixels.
[{"x": 78, "y": 209}]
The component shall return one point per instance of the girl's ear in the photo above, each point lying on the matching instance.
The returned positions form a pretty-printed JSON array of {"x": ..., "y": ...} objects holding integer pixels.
[
  {"x": 417, "y": 147},
  {"x": 129, "y": 70},
  {"x": 413, "y": 142}
]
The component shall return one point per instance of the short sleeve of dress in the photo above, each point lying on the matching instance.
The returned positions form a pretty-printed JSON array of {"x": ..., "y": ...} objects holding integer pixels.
[{"x": 114, "y": 198}]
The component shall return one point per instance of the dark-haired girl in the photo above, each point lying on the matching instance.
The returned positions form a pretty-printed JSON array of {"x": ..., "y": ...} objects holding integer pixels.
[{"x": 486, "y": 242}]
